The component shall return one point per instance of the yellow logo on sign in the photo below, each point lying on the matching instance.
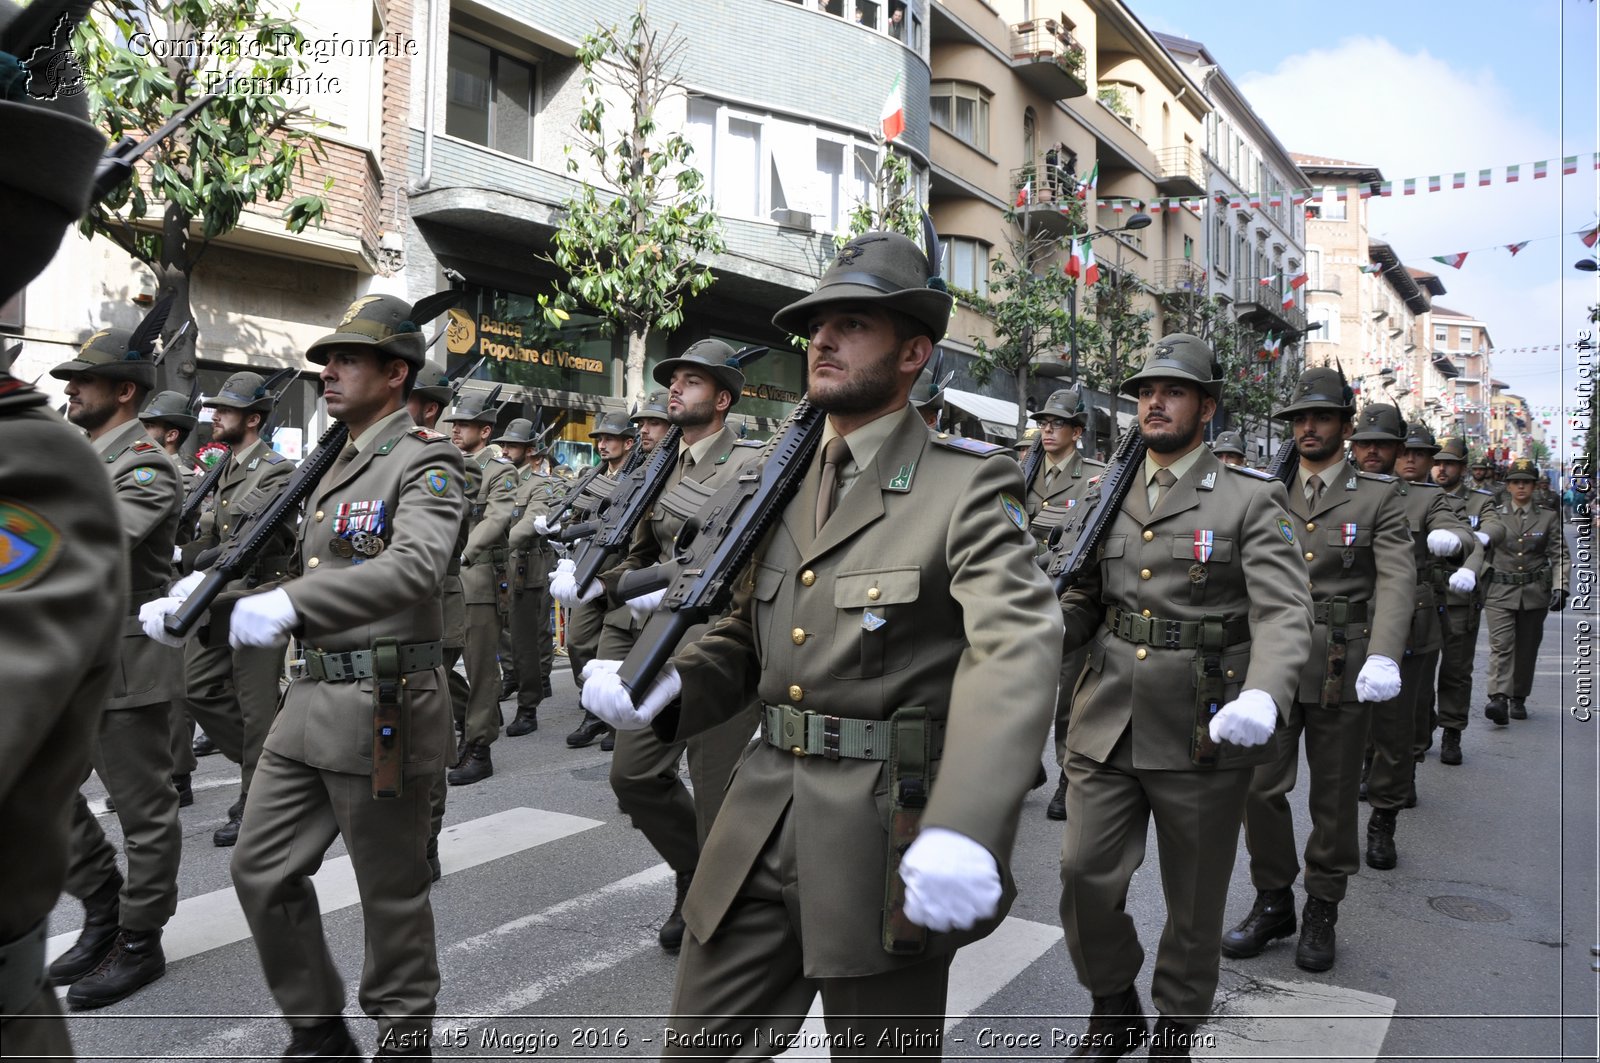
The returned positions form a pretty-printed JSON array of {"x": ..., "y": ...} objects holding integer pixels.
[{"x": 460, "y": 332}]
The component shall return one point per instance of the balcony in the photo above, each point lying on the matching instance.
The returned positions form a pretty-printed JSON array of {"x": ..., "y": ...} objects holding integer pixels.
[
  {"x": 1179, "y": 171},
  {"x": 1328, "y": 282},
  {"x": 1051, "y": 204},
  {"x": 1044, "y": 55},
  {"x": 1262, "y": 305},
  {"x": 1178, "y": 276}
]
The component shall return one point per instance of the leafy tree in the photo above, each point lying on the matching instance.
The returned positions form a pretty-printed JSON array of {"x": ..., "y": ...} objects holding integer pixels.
[
  {"x": 634, "y": 249},
  {"x": 1118, "y": 330},
  {"x": 244, "y": 148},
  {"x": 892, "y": 205}
]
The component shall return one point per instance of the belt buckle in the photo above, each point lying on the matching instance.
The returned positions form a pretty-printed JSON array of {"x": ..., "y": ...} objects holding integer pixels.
[
  {"x": 1172, "y": 639},
  {"x": 792, "y": 721},
  {"x": 1138, "y": 627}
]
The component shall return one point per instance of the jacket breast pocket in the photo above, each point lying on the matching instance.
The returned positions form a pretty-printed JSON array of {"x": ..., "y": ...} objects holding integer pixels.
[
  {"x": 874, "y": 629},
  {"x": 1336, "y": 538},
  {"x": 1218, "y": 551},
  {"x": 765, "y": 581},
  {"x": 1112, "y": 570}
]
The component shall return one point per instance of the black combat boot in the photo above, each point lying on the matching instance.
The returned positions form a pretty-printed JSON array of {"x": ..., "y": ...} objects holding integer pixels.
[
  {"x": 508, "y": 689},
  {"x": 1519, "y": 709},
  {"x": 1450, "y": 747},
  {"x": 608, "y": 741},
  {"x": 1171, "y": 1039},
  {"x": 100, "y": 912},
  {"x": 526, "y": 722},
  {"x": 1497, "y": 710},
  {"x": 204, "y": 746},
  {"x": 1380, "y": 839},
  {"x": 1116, "y": 1027},
  {"x": 135, "y": 961},
  {"x": 436, "y": 871},
  {"x": 181, "y": 783},
  {"x": 671, "y": 936},
  {"x": 475, "y": 766},
  {"x": 1315, "y": 951},
  {"x": 1057, "y": 808},
  {"x": 1270, "y": 918},
  {"x": 228, "y": 834},
  {"x": 329, "y": 1039},
  {"x": 588, "y": 729}
]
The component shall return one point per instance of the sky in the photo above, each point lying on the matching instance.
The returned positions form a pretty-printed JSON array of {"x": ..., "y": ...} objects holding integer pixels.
[{"x": 1435, "y": 87}]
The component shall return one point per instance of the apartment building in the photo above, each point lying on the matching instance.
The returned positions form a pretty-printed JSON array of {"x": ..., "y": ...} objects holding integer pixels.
[{"x": 1466, "y": 343}]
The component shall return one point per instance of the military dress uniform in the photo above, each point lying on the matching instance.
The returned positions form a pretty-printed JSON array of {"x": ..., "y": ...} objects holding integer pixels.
[
  {"x": 1530, "y": 577},
  {"x": 233, "y": 693},
  {"x": 373, "y": 548},
  {"x": 1357, "y": 549},
  {"x": 530, "y": 559},
  {"x": 1208, "y": 582},
  {"x": 1463, "y": 614}
]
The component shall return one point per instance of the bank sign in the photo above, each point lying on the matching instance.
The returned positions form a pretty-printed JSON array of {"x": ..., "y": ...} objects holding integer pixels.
[{"x": 509, "y": 330}]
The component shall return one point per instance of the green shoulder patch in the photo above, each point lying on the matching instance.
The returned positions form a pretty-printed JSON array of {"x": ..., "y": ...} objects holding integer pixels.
[
  {"x": 144, "y": 475},
  {"x": 1014, "y": 511},
  {"x": 438, "y": 481},
  {"x": 1286, "y": 530},
  {"x": 28, "y": 544}
]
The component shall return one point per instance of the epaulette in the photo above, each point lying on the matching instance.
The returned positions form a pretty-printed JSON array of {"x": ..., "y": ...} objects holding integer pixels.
[
  {"x": 1427, "y": 483},
  {"x": 143, "y": 447},
  {"x": 1245, "y": 470},
  {"x": 1090, "y": 463},
  {"x": 1481, "y": 491},
  {"x": 272, "y": 457},
  {"x": 502, "y": 461},
  {"x": 758, "y": 444},
  {"x": 969, "y": 446},
  {"x": 427, "y": 435},
  {"x": 1381, "y": 477}
]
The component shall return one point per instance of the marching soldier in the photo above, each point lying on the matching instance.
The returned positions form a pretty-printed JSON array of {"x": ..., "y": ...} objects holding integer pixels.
[
  {"x": 491, "y": 490},
  {"x": 1358, "y": 555},
  {"x": 651, "y": 420},
  {"x": 1436, "y": 532},
  {"x": 1058, "y": 486},
  {"x": 374, "y": 546},
  {"x": 1463, "y": 612},
  {"x": 1199, "y": 586},
  {"x": 1229, "y": 448},
  {"x": 169, "y": 420},
  {"x": 917, "y": 615},
  {"x": 233, "y": 693},
  {"x": 614, "y": 437},
  {"x": 119, "y": 949},
  {"x": 531, "y": 559},
  {"x": 1530, "y": 578}
]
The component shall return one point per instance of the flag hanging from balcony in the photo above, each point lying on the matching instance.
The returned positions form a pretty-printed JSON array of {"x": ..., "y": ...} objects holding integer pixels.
[
  {"x": 1300, "y": 280},
  {"x": 893, "y": 117},
  {"x": 1025, "y": 193},
  {"x": 1372, "y": 267},
  {"x": 1074, "y": 266},
  {"x": 1454, "y": 261},
  {"x": 1086, "y": 186},
  {"x": 1288, "y": 298},
  {"x": 1267, "y": 282},
  {"x": 1514, "y": 248},
  {"x": 1091, "y": 268}
]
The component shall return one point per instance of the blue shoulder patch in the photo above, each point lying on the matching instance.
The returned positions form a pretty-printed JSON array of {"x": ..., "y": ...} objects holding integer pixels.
[
  {"x": 1245, "y": 470},
  {"x": 970, "y": 446}
]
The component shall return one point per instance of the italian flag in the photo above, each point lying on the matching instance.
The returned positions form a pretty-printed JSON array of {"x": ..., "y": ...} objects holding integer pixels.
[
  {"x": 1459, "y": 180},
  {"x": 1453, "y": 261},
  {"x": 1435, "y": 183},
  {"x": 1541, "y": 169},
  {"x": 1074, "y": 266},
  {"x": 1288, "y": 298},
  {"x": 1300, "y": 281},
  {"x": 1269, "y": 346},
  {"x": 1589, "y": 238},
  {"x": 1485, "y": 178},
  {"x": 1267, "y": 282},
  {"x": 1514, "y": 248},
  {"x": 1512, "y": 172},
  {"x": 1386, "y": 189},
  {"x": 1372, "y": 267},
  {"x": 1024, "y": 194},
  {"x": 893, "y": 117},
  {"x": 1091, "y": 268},
  {"x": 1299, "y": 197},
  {"x": 1569, "y": 165},
  {"x": 1087, "y": 184},
  {"x": 1410, "y": 187}
]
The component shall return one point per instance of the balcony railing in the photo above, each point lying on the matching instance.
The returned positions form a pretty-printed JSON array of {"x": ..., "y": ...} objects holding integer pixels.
[
  {"x": 1328, "y": 282},
  {"x": 1180, "y": 170},
  {"x": 1047, "y": 57},
  {"x": 1178, "y": 275},
  {"x": 1045, "y": 192}
]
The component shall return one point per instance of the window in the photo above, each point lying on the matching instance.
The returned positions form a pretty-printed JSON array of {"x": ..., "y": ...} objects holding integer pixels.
[
  {"x": 967, "y": 265},
  {"x": 1314, "y": 268},
  {"x": 1332, "y": 205},
  {"x": 1328, "y": 317},
  {"x": 1188, "y": 249},
  {"x": 1441, "y": 337},
  {"x": 1465, "y": 343},
  {"x": 489, "y": 98},
  {"x": 1221, "y": 245},
  {"x": 1030, "y": 134},
  {"x": 962, "y": 110}
]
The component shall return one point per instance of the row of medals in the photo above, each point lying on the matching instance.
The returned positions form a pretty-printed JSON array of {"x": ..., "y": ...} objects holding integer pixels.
[{"x": 362, "y": 543}]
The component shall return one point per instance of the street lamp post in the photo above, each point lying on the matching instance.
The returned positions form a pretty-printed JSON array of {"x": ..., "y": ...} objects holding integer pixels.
[{"x": 1138, "y": 221}]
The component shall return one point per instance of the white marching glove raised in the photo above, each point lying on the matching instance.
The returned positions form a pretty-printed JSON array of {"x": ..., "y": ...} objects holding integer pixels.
[
  {"x": 542, "y": 526},
  {"x": 564, "y": 589},
  {"x": 1463, "y": 580},
  {"x": 645, "y": 604},
  {"x": 1379, "y": 679},
  {"x": 185, "y": 587},
  {"x": 606, "y": 697},
  {"x": 952, "y": 882},
  {"x": 262, "y": 620},
  {"x": 1443, "y": 544},
  {"x": 1483, "y": 537},
  {"x": 1247, "y": 720},
  {"x": 152, "y": 617}
]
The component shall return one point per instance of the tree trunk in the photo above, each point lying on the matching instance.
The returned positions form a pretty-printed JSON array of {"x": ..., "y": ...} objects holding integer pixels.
[
  {"x": 1021, "y": 377},
  {"x": 634, "y": 384},
  {"x": 173, "y": 278}
]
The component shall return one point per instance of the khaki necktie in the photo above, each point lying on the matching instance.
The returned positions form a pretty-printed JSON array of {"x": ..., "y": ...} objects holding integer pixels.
[
  {"x": 1313, "y": 492},
  {"x": 834, "y": 456},
  {"x": 1164, "y": 481},
  {"x": 1050, "y": 477}
]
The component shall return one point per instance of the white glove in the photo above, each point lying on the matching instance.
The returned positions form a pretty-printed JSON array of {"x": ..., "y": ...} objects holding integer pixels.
[
  {"x": 564, "y": 589},
  {"x": 185, "y": 587},
  {"x": 1483, "y": 537},
  {"x": 153, "y": 614},
  {"x": 262, "y": 619},
  {"x": 951, "y": 881},
  {"x": 177, "y": 554},
  {"x": 1379, "y": 679},
  {"x": 606, "y": 697},
  {"x": 543, "y": 527},
  {"x": 1247, "y": 720},
  {"x": 1443, "y": 544},
  {"x": 1463, "y": 580},
  {"x": 645, "y": 604}
]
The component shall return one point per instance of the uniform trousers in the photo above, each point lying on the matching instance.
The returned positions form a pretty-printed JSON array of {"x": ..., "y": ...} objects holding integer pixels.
[
  {"x": 532, "y": 643},
  {"x": 1197, "y": 815},
  {"x": 1514, "y": 638},
  {"x": 40, "y": 1036},
  {"x": 1071, "y": 670},
  {"x": 132, "y": 754},
  {"x": 507, "y": 655},
  {"x": 291, "y": 818},
  {"x": 482, "y": 656},
  {"x": 748, "y": 982},
  {"x": 233, "y": 695},
  {"x": 584, "y": 622},
  {"x": 184, "y": 762},
  {"x": 1335, "y": 739},
  {"x": 1454, "y": 689},
  {"x": 1393, "y": 730}
]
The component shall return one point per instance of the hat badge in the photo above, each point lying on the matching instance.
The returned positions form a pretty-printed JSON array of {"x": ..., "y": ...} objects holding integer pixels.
[{"x": 356, "y": 308}]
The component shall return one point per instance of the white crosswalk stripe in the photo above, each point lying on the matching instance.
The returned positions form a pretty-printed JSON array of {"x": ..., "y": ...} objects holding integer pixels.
[{"x": 1310, "y": 1020}]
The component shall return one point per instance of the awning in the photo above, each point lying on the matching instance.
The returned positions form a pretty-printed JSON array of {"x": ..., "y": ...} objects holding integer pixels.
[{"x": 999, "y": 417}]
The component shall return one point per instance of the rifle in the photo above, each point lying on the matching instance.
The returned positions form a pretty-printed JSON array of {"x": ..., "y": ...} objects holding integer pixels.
[
  {"x": 236, "y": 560},
  {"x": 1285, "y": 463},
  {"x": 116, "y": 166},
  {"x": 570, "y": 501},
  {"x": 1032, "y": 462},
  {"x": 1092, "y": 518},
  {"x": 713, "y": 548},
  {"x": 622, "y": 510},
  {"x": 197, "y": 494}
]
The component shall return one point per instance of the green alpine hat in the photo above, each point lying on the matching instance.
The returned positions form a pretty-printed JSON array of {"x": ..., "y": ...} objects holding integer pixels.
[
  {"x": 518, "y": 433},
  {"x": 1319, "y": 388},
  {"x": 654, "y": 408},
  {"x": 1066, "y": 404},
  {"x": 1228, "y": 443},
  {"x": 1480, "y": 462},
  {"x": 473, "y": 407},
  {"x": 1179, "y": 357},
  {"x": 106, "y": 354},
  {"x": 1454, "y": 449},
  {"x": 433, "y": 383},
  {"x": 881, "y": 269},
  {"x": 243, "y": 391},
  {"x": 614, "y": 423},
  {"x": 171, "y": 407},
  {"x": 1523, "y": 469},
  {"x": 1379, "y": 422},
  {"x": 387, "y": 323},
  {"x": 1420, "y": 437},
  {"x": 714, "y": 357}
]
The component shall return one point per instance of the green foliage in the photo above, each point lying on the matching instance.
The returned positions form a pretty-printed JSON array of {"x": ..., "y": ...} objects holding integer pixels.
[
  {"x": 1119, "y": 331},
  {"x": 633, "y": 249},
  {"x": 1112, "y": 96},
  {"x": 893, "y": 206}
]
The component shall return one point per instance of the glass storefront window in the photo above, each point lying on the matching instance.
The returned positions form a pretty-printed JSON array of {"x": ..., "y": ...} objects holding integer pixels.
[{"x": 509, "y": 329}]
